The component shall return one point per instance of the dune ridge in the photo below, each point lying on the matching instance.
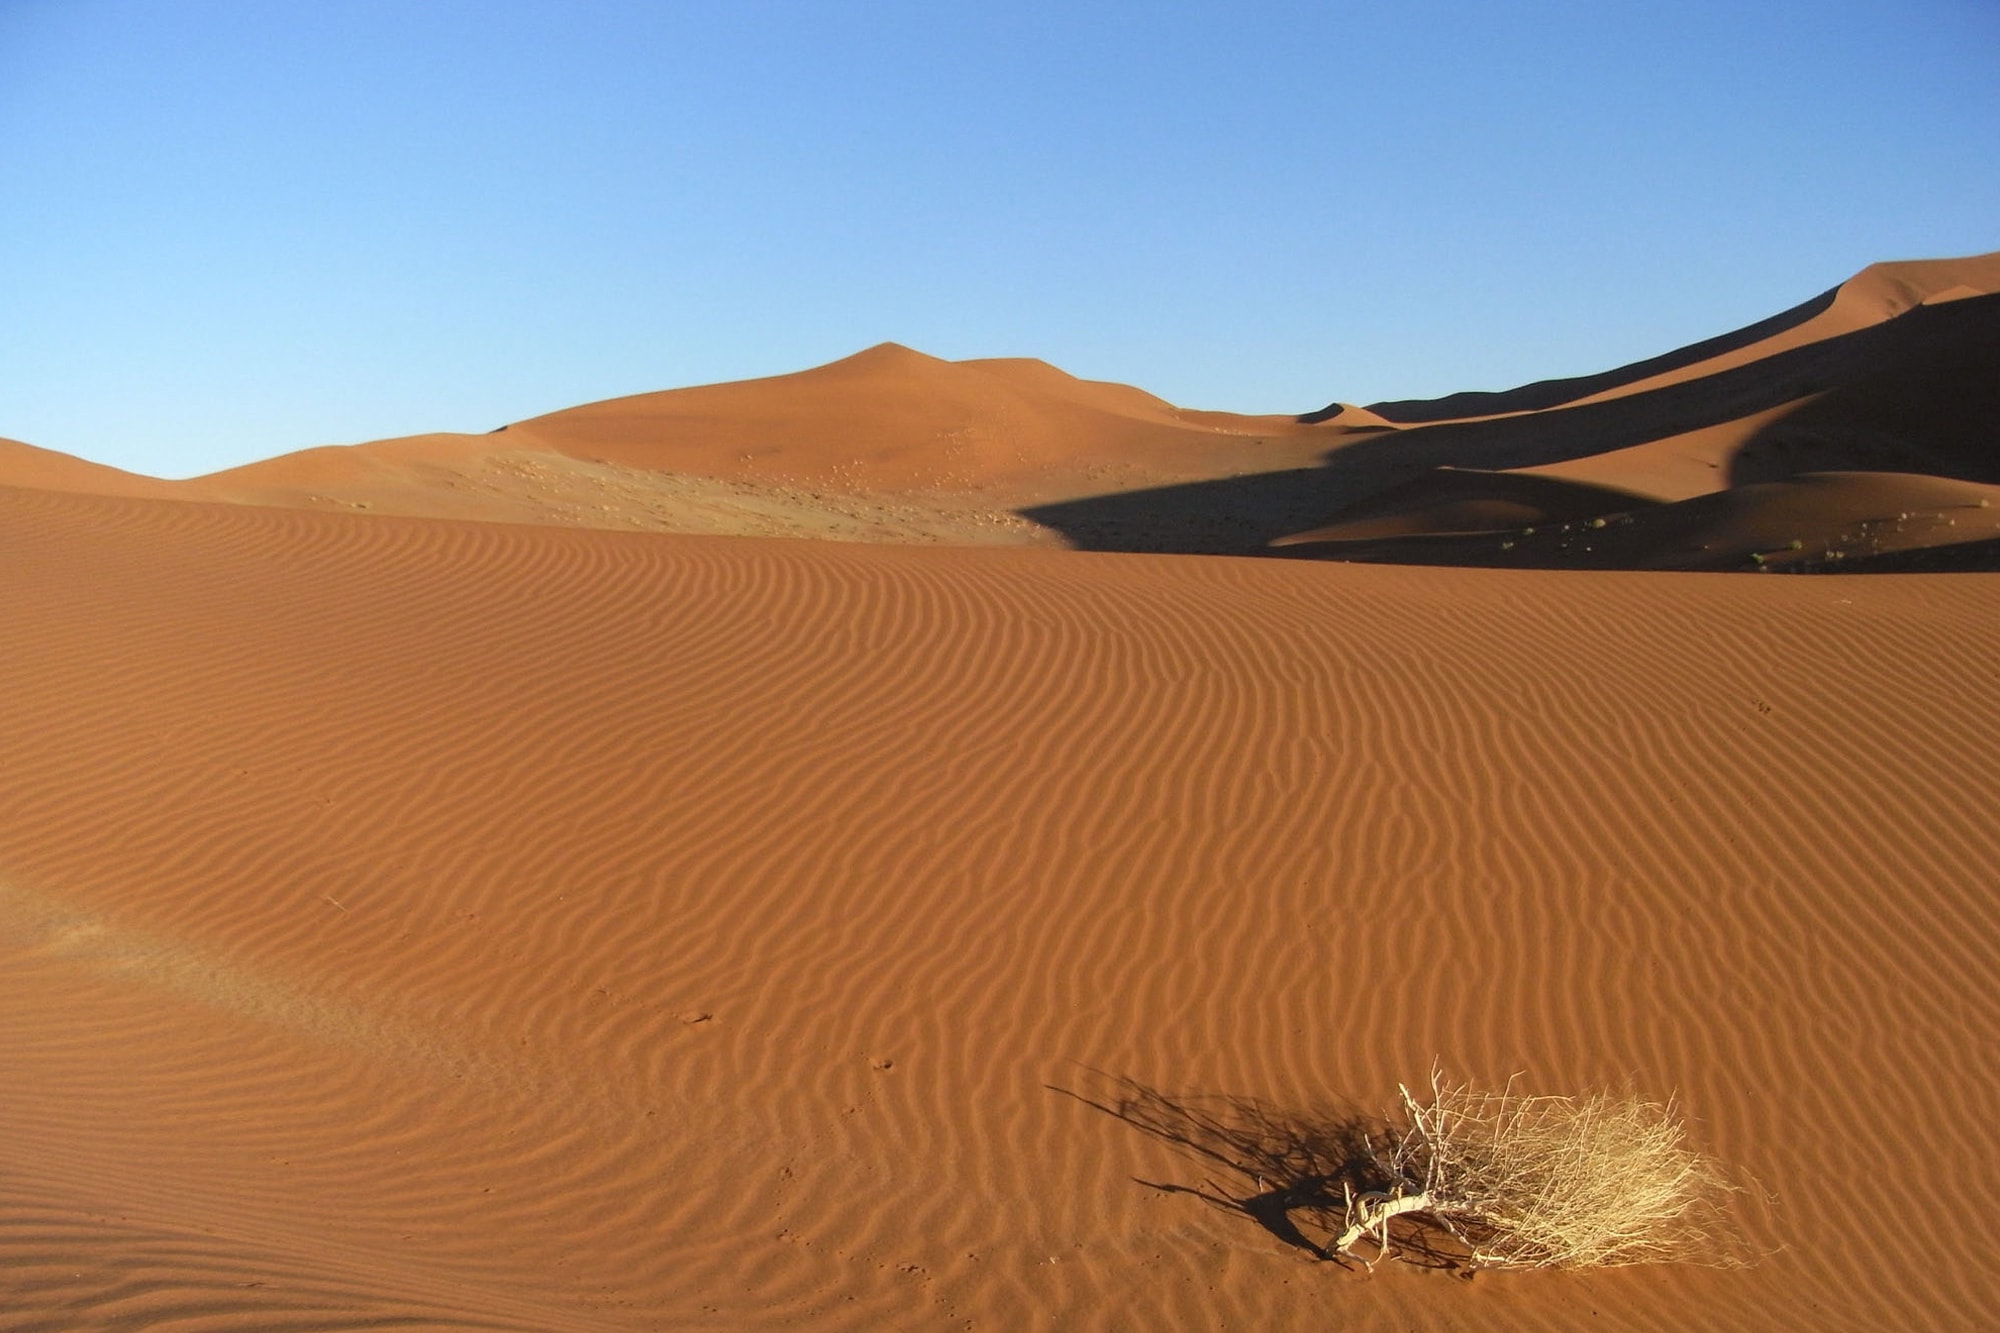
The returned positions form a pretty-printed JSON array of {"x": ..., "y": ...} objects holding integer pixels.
[
  {"x": 1891, "y": 372},
  {"x": 1878, "y": 293},
  {"x": 476, "y": 925},
  {"x": 510, "y": 881},
  {"x": 885, "y": 420}
]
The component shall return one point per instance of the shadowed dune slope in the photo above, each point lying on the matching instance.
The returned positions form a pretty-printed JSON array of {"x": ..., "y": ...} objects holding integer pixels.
[
  {"x": 1894, "y": 370},
  {"x": 411, "y": 923},
  {"x": 1467, "y": 500},
  {"x": 1928, "y": 403},
  {"x": 1877, "y": 293},
  {"x": 1962, "y": 332},
  {"x": 1854, "y": 522},
  {"x": 1916, "y": 392}
]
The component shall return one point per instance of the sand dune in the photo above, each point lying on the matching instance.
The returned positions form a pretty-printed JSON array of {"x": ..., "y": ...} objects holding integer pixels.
[
  {"x": 1893, "y": 371},
  {"x": 469, "y": 925},
  {"x": 888, "y": 419},
  {"x": 489, "y": 882},
  {"x": 1879, "y": 292},
  {"x": 887, "y": 445},
  {"x": 1824, "y": 522},
  {"x": 45, "y": 469},
  {"x": 893, "y": 418}
]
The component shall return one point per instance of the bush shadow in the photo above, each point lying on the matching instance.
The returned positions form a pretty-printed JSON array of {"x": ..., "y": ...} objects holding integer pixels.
[{"x": 1288, "y": 1172}]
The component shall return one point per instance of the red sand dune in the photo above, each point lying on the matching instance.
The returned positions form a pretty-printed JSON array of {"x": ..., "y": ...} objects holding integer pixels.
[
  {"x": 1823, "y": 522},
  {"x": 1878, "y": 293},
  {"x": 892, "y": 418},
  {"x": 45, "y": 469},
  {"x": 495, "y": 926},
  {"x": 419, "y": 922},
  {"x": 962, "y": 443},
  {"x": 1895, "y": 371}
]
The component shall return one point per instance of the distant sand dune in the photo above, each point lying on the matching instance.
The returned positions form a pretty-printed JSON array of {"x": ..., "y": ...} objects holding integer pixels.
[
  {"x": 892, "y": 418},
  {"x": 490, "y": 882},
  {"x": 1879, "y": 292},
  {"x": 45, "y": 469},
  {"x": 449, "y": 924},
  {"x": 1855, "y": 522},
  {"x": 1892, "y": 371}
]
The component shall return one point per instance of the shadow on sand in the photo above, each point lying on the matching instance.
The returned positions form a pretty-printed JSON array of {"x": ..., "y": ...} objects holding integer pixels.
[
  {"x": 1882, "y": 372},
  {"x": 1285, "y": 1171},
  {"x": 1928, "y": 403},
  {"x": 1545, "y": 394}
]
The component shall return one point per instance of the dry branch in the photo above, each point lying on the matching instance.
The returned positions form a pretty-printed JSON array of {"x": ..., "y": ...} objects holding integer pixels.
[{"x": 1543, "y": 1182}]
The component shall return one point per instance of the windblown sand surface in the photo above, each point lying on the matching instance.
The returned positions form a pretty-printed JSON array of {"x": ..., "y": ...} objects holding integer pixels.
[
  {"x": 458, "y": 915},
  {"x": 467, "y": 925}
]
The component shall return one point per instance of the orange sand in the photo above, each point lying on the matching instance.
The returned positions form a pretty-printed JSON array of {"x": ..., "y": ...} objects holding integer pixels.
[{"x": 424, "y": 922}]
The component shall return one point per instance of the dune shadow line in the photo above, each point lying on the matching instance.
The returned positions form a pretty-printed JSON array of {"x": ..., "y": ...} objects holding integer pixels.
[
  {"x": 1545, "y": 394},
  {"x": 1242, "y": 515}
]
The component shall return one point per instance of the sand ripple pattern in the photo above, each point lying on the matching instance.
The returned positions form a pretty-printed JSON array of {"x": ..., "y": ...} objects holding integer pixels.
[{"x": 409, "y": 923}]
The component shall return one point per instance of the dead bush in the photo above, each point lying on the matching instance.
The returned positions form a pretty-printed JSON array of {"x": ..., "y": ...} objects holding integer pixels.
[{"x": 1542, "y": 1182}]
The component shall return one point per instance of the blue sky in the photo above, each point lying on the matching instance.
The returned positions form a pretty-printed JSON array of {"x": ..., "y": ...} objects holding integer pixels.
[{"x": 234, "y": 228}]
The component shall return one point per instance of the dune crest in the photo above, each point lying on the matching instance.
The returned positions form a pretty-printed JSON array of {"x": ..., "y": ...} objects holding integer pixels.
[
  {"x": 894, "y": 419},
  {"x": 45, "y": 469},
  {"x": 1892, "y": 372},
  {"x": 494, "y": 882}
]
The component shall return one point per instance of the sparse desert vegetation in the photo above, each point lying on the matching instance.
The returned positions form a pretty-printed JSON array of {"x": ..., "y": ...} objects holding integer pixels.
[{"x": 1535, "y": 1181}]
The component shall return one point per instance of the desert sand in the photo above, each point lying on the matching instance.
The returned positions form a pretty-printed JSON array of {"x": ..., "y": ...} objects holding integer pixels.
[{"x": 716, "y": 860}]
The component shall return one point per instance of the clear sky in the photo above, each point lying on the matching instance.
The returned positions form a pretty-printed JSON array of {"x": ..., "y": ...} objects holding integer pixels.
[{"x": 234, "y": 228}]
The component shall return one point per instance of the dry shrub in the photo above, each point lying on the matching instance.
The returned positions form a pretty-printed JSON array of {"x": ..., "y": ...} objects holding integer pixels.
[{"x": 1544, "y": 1182}]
